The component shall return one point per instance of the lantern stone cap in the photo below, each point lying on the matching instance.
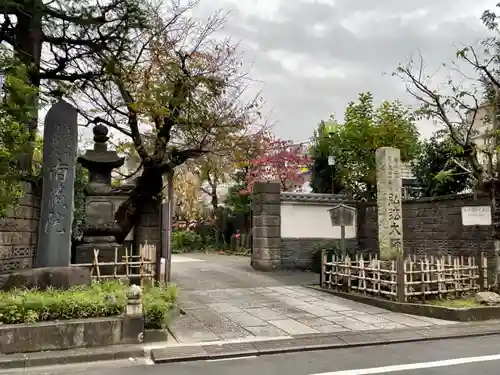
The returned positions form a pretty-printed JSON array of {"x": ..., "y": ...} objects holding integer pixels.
[{"x": 100, "y": 155}]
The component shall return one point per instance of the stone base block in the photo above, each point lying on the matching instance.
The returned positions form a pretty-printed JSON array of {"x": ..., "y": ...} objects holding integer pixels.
[
  {"x": 43, "y": 278},
  {"x": 265, "y": 265},
  {"x": 133, "y": 330}
]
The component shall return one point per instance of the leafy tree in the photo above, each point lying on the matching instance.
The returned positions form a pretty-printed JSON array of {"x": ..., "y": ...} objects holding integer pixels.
[
  {"x": 220, "y": 168},
  {"x": 281, "y": 161},
  {"x": 324, "y": 177},
  {"x": 236, "y": 199},
  {"x": 70, "y": 35},
  {"x": 184, "y": 88},
  {"x": 460, "y": 106},
  {"x": 81, "y": 184},
  {"x": 52, "y": 45},
  {"x": 365, "y": 129},
  {"x": 435, "y": 170},
  {"x": 15, "y": 109},
  {"x": 188, "y": 204}
]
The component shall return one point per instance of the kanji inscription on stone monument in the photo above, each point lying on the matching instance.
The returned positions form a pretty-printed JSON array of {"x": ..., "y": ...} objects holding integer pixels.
[
  {"x": 59, "y": 157},
  {"x": 390, "y": 218}
]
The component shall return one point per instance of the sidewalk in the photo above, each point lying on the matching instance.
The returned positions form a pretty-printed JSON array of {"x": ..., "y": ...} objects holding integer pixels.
[
  {"x": 225, "y": 299},
  {"x": 161, "y": 353}
]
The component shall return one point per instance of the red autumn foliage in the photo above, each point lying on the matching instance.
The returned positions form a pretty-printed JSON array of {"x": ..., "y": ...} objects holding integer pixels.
[{"x": 281, "y": 161}]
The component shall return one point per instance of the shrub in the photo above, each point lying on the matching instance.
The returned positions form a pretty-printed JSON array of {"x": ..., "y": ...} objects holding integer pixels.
[
  {"x": 184, "y": 241},
  {"x": 29, "y": 306},
  {"x": 98, "y": 300},
  {"x": 157, "y": 303}
]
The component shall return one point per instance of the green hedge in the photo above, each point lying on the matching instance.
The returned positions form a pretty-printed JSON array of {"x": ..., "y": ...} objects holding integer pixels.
[
  {"x": 157, "y": 302},
  {"x": 184, "y": 241},
  {"x": 101, "y": 299}
]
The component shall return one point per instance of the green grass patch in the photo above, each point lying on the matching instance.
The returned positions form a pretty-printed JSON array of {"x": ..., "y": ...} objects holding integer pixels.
[{"x": 101, "y": 299}]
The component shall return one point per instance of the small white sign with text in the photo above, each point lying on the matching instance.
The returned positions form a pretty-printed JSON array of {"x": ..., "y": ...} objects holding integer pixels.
[{"x": 476, "y": 215}]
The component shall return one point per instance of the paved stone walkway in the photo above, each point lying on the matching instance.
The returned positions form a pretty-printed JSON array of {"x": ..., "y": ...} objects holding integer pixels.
[{"x": 225, "y": 299}]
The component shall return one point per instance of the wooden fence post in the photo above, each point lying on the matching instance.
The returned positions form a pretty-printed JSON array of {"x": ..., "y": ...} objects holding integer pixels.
[
  {"x": 480, "y": 270},
  {"x": 400, "y": 279}
]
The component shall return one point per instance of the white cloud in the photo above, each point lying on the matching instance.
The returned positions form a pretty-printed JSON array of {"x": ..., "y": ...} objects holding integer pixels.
[{"x": 313, "y": 57}]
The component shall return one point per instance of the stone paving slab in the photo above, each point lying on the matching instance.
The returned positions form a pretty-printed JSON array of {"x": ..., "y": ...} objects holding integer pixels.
[
  {"x": 276, "y": 311},
  {"x": 292, "y": 327},
  {"x": 245, "y": 319},
  {"x": 266, "y": 331}
]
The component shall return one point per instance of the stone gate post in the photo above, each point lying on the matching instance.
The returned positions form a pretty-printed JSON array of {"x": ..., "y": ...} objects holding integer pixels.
[{"x": 266, "y": 223}]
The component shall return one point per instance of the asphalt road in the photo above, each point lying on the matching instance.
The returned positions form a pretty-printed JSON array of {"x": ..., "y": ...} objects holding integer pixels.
[{"x": 446, "y": 357}]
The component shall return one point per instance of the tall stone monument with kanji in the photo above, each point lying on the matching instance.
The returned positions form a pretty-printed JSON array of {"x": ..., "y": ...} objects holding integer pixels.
[
  {"x": 389, "y": 205},
  {"x": 59, "y": 156}
]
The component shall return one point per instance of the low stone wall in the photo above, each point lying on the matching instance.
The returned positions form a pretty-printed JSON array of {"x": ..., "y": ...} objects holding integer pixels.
[
  {"x": 280, "y": 243},
  {"x": 430, "y": 226},
  {"x": 298, "y": 253},
  {"x": 19, "y": 232},
  {"x": 70, "y": 334}
]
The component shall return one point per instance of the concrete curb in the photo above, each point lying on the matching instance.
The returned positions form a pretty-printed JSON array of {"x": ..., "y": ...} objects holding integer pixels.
[
  {"x": 72, "y": 356},
  {"x": 320, "y": 342}
]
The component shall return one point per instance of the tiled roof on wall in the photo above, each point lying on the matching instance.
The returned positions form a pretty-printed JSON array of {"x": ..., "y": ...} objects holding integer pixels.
[{"x": 311, "y": 197}]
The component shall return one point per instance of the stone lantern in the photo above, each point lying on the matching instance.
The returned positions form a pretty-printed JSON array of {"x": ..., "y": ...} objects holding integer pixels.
[
  {"x": 102, "y": 200},
  {"x": 100, "y": 161}
]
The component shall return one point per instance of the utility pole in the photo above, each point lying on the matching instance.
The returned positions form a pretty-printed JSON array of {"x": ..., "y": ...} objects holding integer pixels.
[
  {"x": 170, "y": 214},
  {"x": 331, "y": 161}
]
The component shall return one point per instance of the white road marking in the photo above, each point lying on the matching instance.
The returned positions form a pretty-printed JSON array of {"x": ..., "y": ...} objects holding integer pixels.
[
  {"x": 231, "y": 358},
  {"x": 415, "y": 366}
]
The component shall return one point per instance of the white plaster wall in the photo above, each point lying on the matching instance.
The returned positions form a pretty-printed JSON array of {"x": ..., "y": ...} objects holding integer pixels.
[{"x": 302, "y": 220}]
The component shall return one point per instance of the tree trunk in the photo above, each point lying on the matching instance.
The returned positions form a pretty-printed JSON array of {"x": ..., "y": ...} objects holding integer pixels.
[
  {"x": 28, "y": 49},
  {"x": 148, "y": 188},
  {"x": 215, "y": 198}
]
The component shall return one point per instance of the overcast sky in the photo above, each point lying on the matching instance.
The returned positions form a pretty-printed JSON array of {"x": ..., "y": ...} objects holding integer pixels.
[{"x": 314, "y": 56}]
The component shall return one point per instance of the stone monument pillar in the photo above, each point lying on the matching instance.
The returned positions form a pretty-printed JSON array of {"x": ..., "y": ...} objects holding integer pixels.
[
  {"x": 56, "y": 216},
  {"x": 389, "y": 208},
  {"x": 266, "y": 220},
  {"x": 102, "y": 200}
]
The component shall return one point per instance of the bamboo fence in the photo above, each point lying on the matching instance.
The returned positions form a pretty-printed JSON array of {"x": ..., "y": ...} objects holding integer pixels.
[
  {"x": 411, "y": 278},
  {"x": 126, "y": 266}
]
